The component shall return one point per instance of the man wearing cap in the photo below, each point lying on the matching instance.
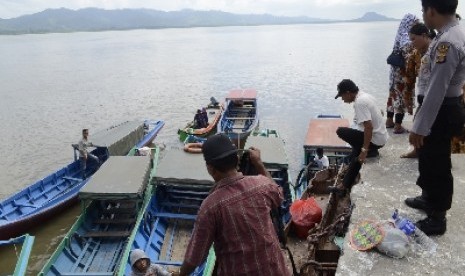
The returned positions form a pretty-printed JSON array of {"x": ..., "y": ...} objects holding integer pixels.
[
  {"x": 235, "y": 217},
  {"x": 369, "y": 133}
]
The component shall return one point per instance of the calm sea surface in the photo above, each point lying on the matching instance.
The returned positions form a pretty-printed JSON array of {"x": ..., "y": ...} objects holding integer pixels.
[{"x": 53, "y": 85}]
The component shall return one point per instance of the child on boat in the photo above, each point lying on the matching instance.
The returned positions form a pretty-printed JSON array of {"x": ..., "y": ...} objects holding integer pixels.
[{"x": 141, "y": 265}]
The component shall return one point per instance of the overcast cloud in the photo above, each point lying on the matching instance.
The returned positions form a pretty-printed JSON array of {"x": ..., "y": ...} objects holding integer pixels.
[{"x": 328, "y": 9}]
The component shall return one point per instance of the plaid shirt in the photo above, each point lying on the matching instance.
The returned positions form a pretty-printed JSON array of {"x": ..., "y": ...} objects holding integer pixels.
[{"x": 235, "y": 217}]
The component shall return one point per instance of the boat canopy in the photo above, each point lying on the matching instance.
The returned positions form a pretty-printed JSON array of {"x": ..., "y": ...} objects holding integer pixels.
[
  {"x": 179, "y": 168},
  {"x": 119, "y": 139},
  {"x": 272, "y": 150},
  {"x": 120, "y": 177},
  {"x": 242, "y": 94},
  {"x": 321, "y": 133}
]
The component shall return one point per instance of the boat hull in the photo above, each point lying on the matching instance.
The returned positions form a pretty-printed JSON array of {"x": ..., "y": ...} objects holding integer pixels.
[{"x": 214, "y": 115}]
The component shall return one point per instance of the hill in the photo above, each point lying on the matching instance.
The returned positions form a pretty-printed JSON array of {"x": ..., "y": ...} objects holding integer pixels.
[
  {"x": 94, "y": 19},
  {"x": 373, "y": 16}
]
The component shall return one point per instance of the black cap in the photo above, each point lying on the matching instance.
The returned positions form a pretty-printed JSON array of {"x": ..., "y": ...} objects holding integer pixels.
[
  {"x": 217, "y": 147},
  {"x": 345, "y": 86}
]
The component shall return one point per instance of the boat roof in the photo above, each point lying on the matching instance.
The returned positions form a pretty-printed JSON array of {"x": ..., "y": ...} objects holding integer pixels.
[
  {"x": 272, "y": 150},
  {"x": 179, "y": 168},
  {"x": 321, "y": 133},
  {"x": 119, "y": 139},
  {"x": 120, "y": 177},
  {"x": 242, "y": 94}
]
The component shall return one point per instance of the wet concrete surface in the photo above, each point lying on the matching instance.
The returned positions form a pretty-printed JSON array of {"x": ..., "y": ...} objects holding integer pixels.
[{"x": 386, "y": 182}]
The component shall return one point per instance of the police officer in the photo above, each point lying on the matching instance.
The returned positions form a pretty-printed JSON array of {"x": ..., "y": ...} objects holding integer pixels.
[{"x": 441, "y": 116}]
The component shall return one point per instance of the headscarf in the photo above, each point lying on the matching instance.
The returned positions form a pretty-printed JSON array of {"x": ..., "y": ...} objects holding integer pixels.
[{"x": 402, "y": 37}]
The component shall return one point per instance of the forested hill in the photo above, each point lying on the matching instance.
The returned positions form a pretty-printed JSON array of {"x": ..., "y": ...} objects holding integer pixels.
[{"x": 94, "y": 19}]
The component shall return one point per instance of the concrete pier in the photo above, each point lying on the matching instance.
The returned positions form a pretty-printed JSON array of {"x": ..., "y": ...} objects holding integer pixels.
[{"x": 386, "y": 182}]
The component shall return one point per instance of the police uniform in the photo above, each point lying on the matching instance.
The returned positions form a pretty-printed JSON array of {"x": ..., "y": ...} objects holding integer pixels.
[{"x": 441, "y": 115}]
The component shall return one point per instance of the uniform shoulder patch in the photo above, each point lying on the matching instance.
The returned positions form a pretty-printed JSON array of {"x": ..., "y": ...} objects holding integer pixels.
[{"x": 441, "y": 52}]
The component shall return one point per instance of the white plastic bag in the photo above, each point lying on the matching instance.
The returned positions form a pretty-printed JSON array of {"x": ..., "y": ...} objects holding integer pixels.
[{"x": 395, "y": 243}]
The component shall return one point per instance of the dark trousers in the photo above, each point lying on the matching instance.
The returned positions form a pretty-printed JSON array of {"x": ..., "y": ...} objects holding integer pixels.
[
  {"x": 434, "y": 161},
  {"x": 355, "y": 139}
]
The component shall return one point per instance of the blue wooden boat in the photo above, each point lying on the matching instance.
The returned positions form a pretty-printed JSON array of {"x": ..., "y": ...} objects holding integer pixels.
[
  {"x": 321, "y": 133},
  {"x": 114, "y": 197},
  {"x": 240, "y": 116},
  {"x": 182, "y": 182},
  {"x": 26, "y": 241},
  {"x": 59, "y": 190}
]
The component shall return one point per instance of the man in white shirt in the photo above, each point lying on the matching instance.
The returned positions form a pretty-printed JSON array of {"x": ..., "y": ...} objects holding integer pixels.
[
  {"x": 320, "y": 159},
  {"x": 370, "y": 133}
]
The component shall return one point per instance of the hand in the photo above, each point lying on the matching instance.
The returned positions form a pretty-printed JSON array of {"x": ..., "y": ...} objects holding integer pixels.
[
  {"x": 174, "y": 273},
  {"x": 416, "y": 140},
  {"x": 362, "y": 157},
  {"x": 254, "y": 155},
  {"x": 410, "y": 109}
]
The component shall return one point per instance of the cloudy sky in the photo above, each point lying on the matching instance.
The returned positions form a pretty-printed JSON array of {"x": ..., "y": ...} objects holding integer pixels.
[{"x": 328, "y": 9}]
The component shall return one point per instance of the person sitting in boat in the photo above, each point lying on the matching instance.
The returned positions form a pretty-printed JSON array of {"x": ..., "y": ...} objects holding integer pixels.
[
  {"x": 201, "y": 119},
  {"x": 235, "y": 213},
  {"x": 320, "y": 159},
  {"x": 204, "y": 116},
  {"x": 141, "y": 265},
  {"x": 84, "y": 155}
]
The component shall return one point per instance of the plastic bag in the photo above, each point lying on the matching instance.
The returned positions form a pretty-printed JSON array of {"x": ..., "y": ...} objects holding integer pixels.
[
  {"x": 395, "y": 243},
  {"x": 305, "y": 214}
]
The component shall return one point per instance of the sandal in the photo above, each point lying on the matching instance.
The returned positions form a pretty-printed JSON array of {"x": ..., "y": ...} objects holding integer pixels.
[
  {"x": 399, "y": 130},
  {"x": 412, "y": 154}
]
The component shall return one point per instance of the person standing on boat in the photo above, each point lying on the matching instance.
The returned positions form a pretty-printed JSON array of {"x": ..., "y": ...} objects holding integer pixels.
[
  {"x": 441, "y": 115},
  {"x": 400, "y": 98},
  {"x": 235, "y": 217},
  {"x": 369, "y": 135},
  {"x": 84, "y": 155}
]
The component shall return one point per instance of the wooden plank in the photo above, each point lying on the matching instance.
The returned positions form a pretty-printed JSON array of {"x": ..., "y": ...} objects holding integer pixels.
[
  {"x": 115, "y": 221},
  {"x": 103, "y": 234},
  {"x": 119, "y": 211},
  {"x": 176, "y": 216}
]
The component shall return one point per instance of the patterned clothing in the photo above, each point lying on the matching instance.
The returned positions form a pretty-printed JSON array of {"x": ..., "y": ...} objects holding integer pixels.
[
  {"x": 235, "y": 218},
  {"x": 412, "y": 69},
  {"x": 396, "y": 102}
]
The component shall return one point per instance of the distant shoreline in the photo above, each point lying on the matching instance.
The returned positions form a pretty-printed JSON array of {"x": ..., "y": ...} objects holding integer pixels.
[{"x": 97, "y": 20}]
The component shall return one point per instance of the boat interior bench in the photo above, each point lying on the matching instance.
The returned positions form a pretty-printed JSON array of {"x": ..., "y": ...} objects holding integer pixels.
[{"x": 106, "y": 234}]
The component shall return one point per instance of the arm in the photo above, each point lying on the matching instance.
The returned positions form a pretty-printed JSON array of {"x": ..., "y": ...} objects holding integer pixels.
[
  {"x": 257, "y": 162},
  {"x": 199, "y": 243},
  {"x": 367, "y": 135}
]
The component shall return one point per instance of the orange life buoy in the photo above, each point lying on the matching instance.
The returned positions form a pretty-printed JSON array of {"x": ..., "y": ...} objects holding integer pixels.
[{"x": 193, "y": 147}]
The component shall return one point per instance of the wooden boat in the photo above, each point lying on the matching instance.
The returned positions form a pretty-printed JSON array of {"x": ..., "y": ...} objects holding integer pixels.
[
  {"x": 240, "y": 116},
  {"x": 273, "y": 155},
  {"x": 321, "y": 133},
  {"x": 214, "y": 111},
  {"x": 26, "y": 241},
  {"x": 182, "y": 182},
  {"x": 114, "y": 197},
  {"x": 59, "y": 190},
  {"x": 319, "y": 255}
]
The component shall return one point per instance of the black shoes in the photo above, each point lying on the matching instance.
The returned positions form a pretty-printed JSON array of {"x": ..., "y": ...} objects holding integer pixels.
[
  {"x": 372, "y": 153},
  {"x": 418, "y": 202},
  {"x": 432, "y": 226}
]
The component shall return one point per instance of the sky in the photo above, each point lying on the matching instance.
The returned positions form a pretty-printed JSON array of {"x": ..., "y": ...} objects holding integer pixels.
[{"x": 326, "y": 9}]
